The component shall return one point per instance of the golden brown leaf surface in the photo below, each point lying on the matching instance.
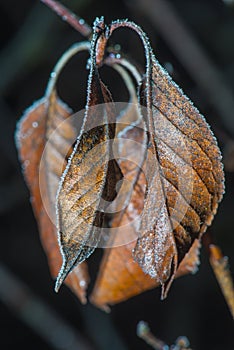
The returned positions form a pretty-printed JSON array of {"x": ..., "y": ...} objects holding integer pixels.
[
  {"x": 171, "y": 194},
  {"x": 90, "y": 176},
  {"x": 120, "y": 277},
  {"x": 185, "y": 175},
  {"x": 31, "y": 140}
]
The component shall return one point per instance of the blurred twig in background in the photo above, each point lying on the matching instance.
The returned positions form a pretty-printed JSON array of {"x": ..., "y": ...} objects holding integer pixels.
[
  {"x": 221, "y": 270},
  {"x": 144, "y": 332},
  {"x": 69, "y": 16},
  {"x": 29, "y": 47}
]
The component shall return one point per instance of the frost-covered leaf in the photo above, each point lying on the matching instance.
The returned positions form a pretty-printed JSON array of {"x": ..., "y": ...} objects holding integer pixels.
[
  {"x": 120, "y": 277},
  {"x": 183, "y": 170},
  {"x": 44, "y": 136},
  {"x": 89, "y": 178},
  {"x": 185, "y": 178}
]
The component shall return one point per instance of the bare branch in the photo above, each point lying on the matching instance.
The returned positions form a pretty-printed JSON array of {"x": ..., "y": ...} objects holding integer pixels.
[
  {"x": 221, "y": 270},
  {"x": 76, "y": 22}
]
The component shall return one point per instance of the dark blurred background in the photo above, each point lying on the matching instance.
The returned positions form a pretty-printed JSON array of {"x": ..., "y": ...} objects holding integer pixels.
[{"x": 32, "y": 39}]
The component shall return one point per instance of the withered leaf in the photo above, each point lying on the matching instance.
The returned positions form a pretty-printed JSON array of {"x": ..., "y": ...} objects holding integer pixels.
[
  {"x": 90, "y": 177},
  {"x": 185, "y": 176},
  {"x": 120, "y": 277},
  {"x": 171, "y": 196},
  {"x": 44, "y": 136},
  {"x": 183, "y": 172}
]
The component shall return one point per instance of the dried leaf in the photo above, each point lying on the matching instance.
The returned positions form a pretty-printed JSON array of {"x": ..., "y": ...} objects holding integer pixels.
[
  {"x": 173, "y": 189},
  {"x": 90, "y": 177},
  {"x": 184, "y": 172},
  {"x": 44, "y": 136},
  {"x": 120, "y": 277}
]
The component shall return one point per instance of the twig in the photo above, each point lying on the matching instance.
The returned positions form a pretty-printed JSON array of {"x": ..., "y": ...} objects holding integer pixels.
[
  {"x": 192, "y": 56},
  {"x": 29, "y": 47},
  {"x": 223, "y": 275},
  {"x": 68, "y": 16},
  {"x": 143, "y": 332},
  {"x": 182, "y": 343},
  {"x": 37, "y": 315}
]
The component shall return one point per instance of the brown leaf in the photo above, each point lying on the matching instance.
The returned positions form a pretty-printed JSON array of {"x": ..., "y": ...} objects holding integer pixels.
[
  {"x": 89, "y": 178},
  {"x": 31, "y": 142},
  {"x": 173, "y": 190},
  {"x": 184, "y": 172},
  {"x": 120, "y": 277},
  {"x": 44, "y": 136}
]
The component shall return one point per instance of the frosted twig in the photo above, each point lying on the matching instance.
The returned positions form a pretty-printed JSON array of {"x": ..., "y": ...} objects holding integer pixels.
[
  {"x": 222, "y": 273},
  {"x": 76, "y": 22},
  {"x": 143, "y": 332}
]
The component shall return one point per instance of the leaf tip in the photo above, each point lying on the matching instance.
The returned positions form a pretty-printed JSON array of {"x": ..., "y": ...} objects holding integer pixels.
[
  {"x": 58, "y": 284},
  {"x": 102, "y": 306},
  {"x": 65, "y": 269},
  {"x": 164, "y": 292}
]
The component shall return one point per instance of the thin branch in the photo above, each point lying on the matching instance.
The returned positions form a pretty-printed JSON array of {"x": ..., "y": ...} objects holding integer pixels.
[
  {"x": 143, "y": 332},
  {"x": 76, "y": 22},
  {"x": 73, "y": 50},
  {"x": 29, "y": 47},
  {"x": 223, "y": 275}
]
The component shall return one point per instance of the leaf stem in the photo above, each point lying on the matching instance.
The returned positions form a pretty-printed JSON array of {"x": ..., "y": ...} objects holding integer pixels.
[
  {"x": 76, "y": 22},
  {"x": 149, "y": 65},
  {"x": 74, "y": 49}
]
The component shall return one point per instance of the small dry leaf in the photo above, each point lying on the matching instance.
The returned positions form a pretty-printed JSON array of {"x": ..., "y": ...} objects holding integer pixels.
[
  {"x": 43, "y": 159},
  {"x": 90, "y": 177}
]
